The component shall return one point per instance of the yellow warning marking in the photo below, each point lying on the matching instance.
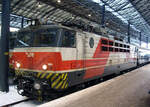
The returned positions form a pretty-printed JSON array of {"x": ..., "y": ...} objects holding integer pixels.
[
  {"x": 39, "y": 96},
  {"x": 17, "y": 72},
  {"x": 65, "y": 77},
  {"x": 6, "y": 53},
  {"x": 54, "y": 83},
  {"x": 48, "y": 76},
  {"x": 10, "y": 65},
  {"x": 59, "y": 84},
  {"x": 64, "y": 85},
  {"x": 62, "y": 75},
  {"x": 54, "y": 77},
  {"x": 39, "y": 74},
  {"x": 43, "y": 75}
]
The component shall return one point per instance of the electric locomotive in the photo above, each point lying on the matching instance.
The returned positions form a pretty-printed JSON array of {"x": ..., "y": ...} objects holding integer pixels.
[{"x": 54, "y": 57}]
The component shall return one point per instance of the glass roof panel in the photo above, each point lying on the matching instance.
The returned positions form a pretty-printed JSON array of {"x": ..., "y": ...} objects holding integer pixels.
[{"x": 124, "y": 10}]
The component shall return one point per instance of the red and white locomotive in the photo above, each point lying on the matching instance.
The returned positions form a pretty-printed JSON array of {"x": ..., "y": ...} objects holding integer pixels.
[{"x": 54, "y": 57}]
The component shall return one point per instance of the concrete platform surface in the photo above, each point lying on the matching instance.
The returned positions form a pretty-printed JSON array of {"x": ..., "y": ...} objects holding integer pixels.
[
  {"x": 128, "y": 90},
  {"x": 11, "y": 97}
]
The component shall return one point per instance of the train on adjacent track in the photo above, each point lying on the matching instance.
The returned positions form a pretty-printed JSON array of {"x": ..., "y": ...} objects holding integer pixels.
[{"x": 49, "y": 58}]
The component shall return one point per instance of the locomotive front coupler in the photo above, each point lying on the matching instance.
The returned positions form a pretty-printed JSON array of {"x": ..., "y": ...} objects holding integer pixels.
[{"x": 32, "y": 87}]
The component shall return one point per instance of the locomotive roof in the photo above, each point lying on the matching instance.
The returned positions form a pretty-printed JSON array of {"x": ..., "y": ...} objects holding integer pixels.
[
  {"x": 44, "y": 27},
  {"x": 78, "y": 30},
  {"x": 61, "y": 26},
  {"x": 53, "y": 26}
]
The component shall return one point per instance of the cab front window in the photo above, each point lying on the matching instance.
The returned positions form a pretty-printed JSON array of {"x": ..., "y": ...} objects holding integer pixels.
[
  {"x": 68, "y": 39},
  {"x": 46, "y": 38},
  {"x": 24, "y": 39},
  {"x": 49, "y": 37},
  {"x": 37, "y": 38}
]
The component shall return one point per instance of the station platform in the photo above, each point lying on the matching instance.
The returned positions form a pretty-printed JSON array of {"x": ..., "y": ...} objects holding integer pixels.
[
  {"x": 128, "y": 90},
  {"x": 11, "y": 97}
]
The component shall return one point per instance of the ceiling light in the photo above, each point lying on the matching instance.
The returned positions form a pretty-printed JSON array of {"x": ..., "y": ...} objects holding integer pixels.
[
  {"x": 59, "y": 1},
  {"x": 107, "y": 23},
  {"x": 39, "y": 5},
  {"x": 89, "y": 15}
]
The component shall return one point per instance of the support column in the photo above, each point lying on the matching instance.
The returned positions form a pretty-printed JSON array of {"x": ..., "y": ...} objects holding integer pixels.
[
  {"x": 147, "y": 41},
  {"x": 128, "y": 31},
  {"x": 103, "y": 16},
  {"x": 140, "y": 39},
  {"x": 4, "y": 46},
  {"x": 22, "y": 22}
]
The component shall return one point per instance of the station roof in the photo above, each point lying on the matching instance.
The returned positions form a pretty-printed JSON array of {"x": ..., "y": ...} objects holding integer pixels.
[
  {"x": 134, "y": 11},
  {"x": 118, "y": 13},
  {"x": 143, "y": 7},
  {"x": 15, "y": 21}
]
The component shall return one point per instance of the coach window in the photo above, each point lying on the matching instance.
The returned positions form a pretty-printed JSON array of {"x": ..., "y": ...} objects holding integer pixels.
[
  {"x": 116, "y": 49},
  {"x": 111, "y": 43},
  {"x": 136, "y": 49},
  {"x": 105, "y": 42},
  {"x": 69, "y": 39},
  {"x": 121, "y": 45},
  {"x": 104, "y": 48},
  {"x": 125, "y": 46},
  {"x": 116, "y": 44},
  {"x": 128, "y": 50},
  {"x": 121, "y": 50},
  {"x": 110, "y": 49}
]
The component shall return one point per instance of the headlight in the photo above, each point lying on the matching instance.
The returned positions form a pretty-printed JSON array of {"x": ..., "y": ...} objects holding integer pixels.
[
  {"x": 18, "y": 65},
  {"x": 37, "y": 86},
  {"x": 44, "y": 67}
]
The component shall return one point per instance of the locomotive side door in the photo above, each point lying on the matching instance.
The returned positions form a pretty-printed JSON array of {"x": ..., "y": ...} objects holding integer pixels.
[
  {"x": 78, "y": 76},
  {"x": 81, "y": 49}
]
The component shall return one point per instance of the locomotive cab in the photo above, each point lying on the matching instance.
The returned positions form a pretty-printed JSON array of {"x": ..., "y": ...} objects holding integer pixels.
[
  {"x": 33, "y": 47},
  {"x": 38, "y": 58}
]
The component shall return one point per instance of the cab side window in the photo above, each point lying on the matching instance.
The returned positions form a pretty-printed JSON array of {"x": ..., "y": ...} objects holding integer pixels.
[{"x": 69, "y": 39}]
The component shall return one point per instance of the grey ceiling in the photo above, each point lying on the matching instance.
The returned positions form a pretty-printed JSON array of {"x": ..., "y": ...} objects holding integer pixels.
[{"x": 134, "y": 11}]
